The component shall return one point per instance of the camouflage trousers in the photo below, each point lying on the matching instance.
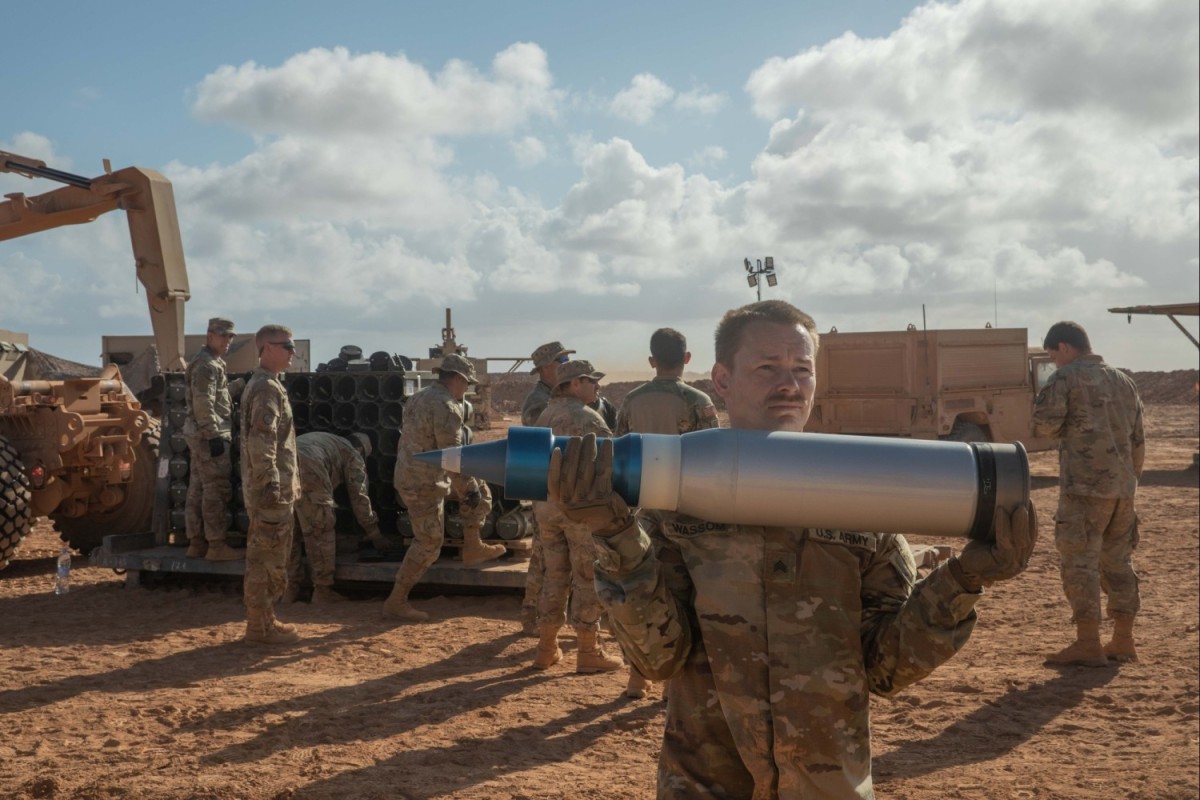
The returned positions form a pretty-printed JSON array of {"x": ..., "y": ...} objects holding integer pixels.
[
  {"x": 267, "y": 546},
  {"x": 316, "y": 521},
  {"x": 210, "y": 489},
  {"x": 536, "y": 573},
  {"x": 1096, "y": 537},
  {"x": 570, "y": 559}
]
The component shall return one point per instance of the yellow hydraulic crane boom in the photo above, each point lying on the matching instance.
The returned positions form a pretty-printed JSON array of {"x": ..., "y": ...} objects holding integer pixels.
[
  {"x": 149, "y": 204},
  {"x": 1169, "y": 310}
]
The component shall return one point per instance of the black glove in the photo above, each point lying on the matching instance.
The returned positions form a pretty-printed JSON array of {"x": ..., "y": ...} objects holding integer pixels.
[
  {"x": 580, "y": 482},
  {"x": 983, "y": 563},
  {"x": 216, "y": 447}
]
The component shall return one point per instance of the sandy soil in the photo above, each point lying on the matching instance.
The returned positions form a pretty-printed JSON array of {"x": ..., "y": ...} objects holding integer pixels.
[{"x": 115, "y": 692}]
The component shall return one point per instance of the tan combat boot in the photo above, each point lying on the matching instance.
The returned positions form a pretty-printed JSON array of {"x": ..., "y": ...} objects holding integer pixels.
[
  {"x": 326, "y": 594},
  {"x": 397, "y": 607},
  {"x": 636, "y": 686},
  {"x": 1085, "y": 651},
  {"x": 1121, "y": 648},
  {"x": 197, "y": 548},
  {"x": 261, "y": 626},
  {"x": 591, "y": 656},
  {"x": 548, "y": 651},
  {"x": 475, "y": 551},
  {"x": 220, "y": 551}
]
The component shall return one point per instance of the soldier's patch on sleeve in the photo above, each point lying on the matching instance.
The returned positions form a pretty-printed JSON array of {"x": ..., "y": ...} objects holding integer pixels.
[{"x": 267, "y": 420}]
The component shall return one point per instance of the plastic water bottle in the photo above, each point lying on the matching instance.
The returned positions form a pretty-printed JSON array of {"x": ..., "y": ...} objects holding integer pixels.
[{"x": 62, "y": 582}]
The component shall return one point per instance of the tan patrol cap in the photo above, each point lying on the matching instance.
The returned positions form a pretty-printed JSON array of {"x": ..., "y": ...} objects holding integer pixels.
[
  {"x": 459, "y": 365},
  {"x": 221, "y": 326},
  {"x": 576, "y": 369},
  {"x": 547, "y": 354}
]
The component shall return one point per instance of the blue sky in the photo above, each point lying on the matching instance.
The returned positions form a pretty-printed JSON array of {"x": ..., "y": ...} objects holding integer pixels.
[{"x": 555, "y": 173}]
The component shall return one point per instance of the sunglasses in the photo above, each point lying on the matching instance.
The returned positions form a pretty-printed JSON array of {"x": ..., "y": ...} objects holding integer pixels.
[
  {"x": 288, "y": 345},
  {"x": 563, "y": 359}
]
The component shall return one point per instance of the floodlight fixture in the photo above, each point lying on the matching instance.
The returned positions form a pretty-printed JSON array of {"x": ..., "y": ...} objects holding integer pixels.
[
  {"x": 752, "y": 280},
  {"x": 747, "y": 262},
  {"x": 770, "y": 262},
  {"x": 771, "y": 279}
]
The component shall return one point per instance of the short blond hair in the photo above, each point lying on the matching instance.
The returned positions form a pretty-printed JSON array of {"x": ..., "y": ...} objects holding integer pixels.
[{"x": 265, "y": 331}]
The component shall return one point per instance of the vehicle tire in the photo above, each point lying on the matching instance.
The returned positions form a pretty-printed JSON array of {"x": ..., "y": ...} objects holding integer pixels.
[
  {"x": 133, "y": 515},
  {"x": 966, "y": 432},
  {"x": 15, "y": 502}
]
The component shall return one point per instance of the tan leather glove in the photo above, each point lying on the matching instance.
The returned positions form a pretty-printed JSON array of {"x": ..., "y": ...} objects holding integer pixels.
[
  {"x": 983, "y": 563},
  {"x": 580, "y": 483}
]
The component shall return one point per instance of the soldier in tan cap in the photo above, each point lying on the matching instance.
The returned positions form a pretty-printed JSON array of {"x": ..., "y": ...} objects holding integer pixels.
[
  {"x": 545, "y": 365},
  {"x": 208, "y": 430},
  {"x": 566, "y": 545},
  {"x": 433, "y": 420}
]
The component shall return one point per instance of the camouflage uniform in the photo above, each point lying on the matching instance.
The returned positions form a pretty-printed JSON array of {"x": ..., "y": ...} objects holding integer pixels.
[
  {"x": 210, "y": 415},
  {"x": 772, "y": 639},
  {"x": 327, "y": 461},
  {"x": 1096, "y": 413},
  {"x": 535, "y": 403},
  {"x": 666, "y": 405},
  {"x": 433, "y": 420},
  {"x": 270, "y": 484},
  {"x": 567, "y": 546}
]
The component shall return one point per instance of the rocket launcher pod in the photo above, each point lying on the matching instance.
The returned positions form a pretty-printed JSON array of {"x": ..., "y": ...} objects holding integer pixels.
[{"x": 747, "y": 477}]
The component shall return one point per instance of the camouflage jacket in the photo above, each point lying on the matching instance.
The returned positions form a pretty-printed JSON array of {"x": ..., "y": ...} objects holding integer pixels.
[
  {"x": 328, "y": 461},
  {"x": 666, "y": 405},
  {"x": 568, "y": 416},
  {"x": 1096, "y": 412},
  {"x": 535, "y": 403},
  {"x": 268, "y": 454},
  {"x": 772, "y": 639},
  {"x": 210, "y": 407},
  {"x": 433, "y": 420}
]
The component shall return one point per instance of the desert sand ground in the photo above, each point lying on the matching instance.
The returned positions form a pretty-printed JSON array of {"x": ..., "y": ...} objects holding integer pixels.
[{"x": 115, "y": 692}]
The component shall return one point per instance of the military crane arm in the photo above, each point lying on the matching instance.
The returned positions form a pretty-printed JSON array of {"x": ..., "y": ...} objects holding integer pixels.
[{"x": 148, "y": 201}]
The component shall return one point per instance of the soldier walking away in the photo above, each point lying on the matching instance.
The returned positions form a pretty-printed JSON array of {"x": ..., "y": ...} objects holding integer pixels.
[
  {"x": 209, "y": 434},
  {"x": 567, "y": 545},
  {"x": 327, "y": 461},
  {"x": 545, "y": 365},
  {"x": 665, "y": 405},
  {"x": 773, "y": 637},
  {"x": 1095, "y": 412},
  {"x": 270, "y": 485},
  {"x": 433, "y": 420}
]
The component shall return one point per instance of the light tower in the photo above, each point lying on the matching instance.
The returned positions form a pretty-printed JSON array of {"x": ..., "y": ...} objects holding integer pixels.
[{"x": 757, "y": 271}]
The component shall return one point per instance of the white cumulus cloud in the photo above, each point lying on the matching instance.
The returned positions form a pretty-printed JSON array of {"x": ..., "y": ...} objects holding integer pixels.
[{"x": 645, "y": 95}]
